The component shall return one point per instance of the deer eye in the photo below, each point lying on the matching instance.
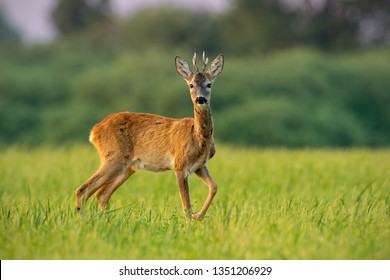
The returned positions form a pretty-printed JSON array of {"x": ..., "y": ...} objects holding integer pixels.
[
  {"x": 191, "y": 85},
  {"x": 208, "y": 85}
]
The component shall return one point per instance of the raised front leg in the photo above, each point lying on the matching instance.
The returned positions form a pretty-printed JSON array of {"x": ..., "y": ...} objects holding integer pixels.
[
  {"x": 203, "y": 174},
  {"x": 182, "y": 180}
]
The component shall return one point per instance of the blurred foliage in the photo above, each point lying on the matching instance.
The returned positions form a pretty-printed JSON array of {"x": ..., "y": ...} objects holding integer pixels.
[
  {"x": 294, "y": 98},
  {"x": 171, "y": 28},
  {"x": 71, "y": 16},
  {"x": 289, "y": 79},
  {"x": 8, "y": 35},
  {"x": 257, "y": 26},
  {"x": 305, "y": 98},
  {"x": 330, "y": 25},
  {"x": 254, "y": 26}
]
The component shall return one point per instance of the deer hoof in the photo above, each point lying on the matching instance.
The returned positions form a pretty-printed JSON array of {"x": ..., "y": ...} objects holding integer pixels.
[{"x": 197, "y": 216}]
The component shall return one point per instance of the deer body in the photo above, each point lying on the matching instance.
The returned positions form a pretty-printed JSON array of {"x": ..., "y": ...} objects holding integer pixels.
[
  {"x": 127, "y": 142},
  {"x": 142, "y": 140}
]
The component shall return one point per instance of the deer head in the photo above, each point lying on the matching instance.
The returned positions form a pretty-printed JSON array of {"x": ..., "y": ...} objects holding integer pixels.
[{"x": 200, "y": 81}]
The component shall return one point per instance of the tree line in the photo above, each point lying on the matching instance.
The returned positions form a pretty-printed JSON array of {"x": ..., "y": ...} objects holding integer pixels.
[{"x": 247, "y": 26}]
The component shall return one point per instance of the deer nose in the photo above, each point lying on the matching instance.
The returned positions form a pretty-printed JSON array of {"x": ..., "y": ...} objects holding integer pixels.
[{"x": 201, "y": 100}]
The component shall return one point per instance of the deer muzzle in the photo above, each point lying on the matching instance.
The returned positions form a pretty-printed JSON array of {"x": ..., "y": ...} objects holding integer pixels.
[{"x": 201, "y": 100}]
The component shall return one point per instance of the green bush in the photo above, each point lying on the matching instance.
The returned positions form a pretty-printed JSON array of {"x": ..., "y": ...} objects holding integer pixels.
[{"x": 305, "y": 98}]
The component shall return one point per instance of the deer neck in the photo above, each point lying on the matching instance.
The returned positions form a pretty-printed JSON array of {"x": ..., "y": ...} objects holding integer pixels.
[{"x": 203, "y": 122}]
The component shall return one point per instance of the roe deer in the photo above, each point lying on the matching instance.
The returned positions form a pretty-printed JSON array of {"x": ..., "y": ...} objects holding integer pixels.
[{"x": 127, "y": 142}]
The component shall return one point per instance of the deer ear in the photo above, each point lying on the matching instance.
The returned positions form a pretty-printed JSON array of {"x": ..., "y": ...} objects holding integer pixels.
[
  {"x": 182, "y": 68},
  {"x": 216, "y": 67}
]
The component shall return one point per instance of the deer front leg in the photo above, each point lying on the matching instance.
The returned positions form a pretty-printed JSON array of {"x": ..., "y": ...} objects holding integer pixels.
[
  {"x": 182, "y": 179},
  {"x": 203, "y": 174}
]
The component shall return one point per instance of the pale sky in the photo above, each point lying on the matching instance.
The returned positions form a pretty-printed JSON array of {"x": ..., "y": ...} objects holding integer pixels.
[{"x": 32, "y": 17}]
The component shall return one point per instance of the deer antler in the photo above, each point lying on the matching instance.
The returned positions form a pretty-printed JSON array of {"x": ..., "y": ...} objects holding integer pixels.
[
  {"x": 194, "y": 62},
  {"x": 205, "y": 61}
]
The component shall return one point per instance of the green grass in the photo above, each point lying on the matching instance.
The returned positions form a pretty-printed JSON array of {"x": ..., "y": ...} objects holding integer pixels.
[{"x": 271, "y": 204}]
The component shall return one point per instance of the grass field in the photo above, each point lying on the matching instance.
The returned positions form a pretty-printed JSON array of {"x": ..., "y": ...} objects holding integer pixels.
[{"x": 271, "y": 204}]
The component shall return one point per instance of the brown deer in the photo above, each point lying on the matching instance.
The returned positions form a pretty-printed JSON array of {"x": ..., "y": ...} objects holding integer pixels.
[{"x": 127, "y": 142}]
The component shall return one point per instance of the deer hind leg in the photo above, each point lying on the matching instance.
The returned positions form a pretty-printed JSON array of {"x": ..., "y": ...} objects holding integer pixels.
[
  {"x": 204, "y": 175},
  {"x": 105, "y": 176},
  {"x": 103, "y": 195}
]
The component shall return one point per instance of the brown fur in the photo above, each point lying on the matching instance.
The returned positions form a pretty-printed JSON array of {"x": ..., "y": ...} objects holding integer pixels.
[{"x": 127, "y": 142}]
